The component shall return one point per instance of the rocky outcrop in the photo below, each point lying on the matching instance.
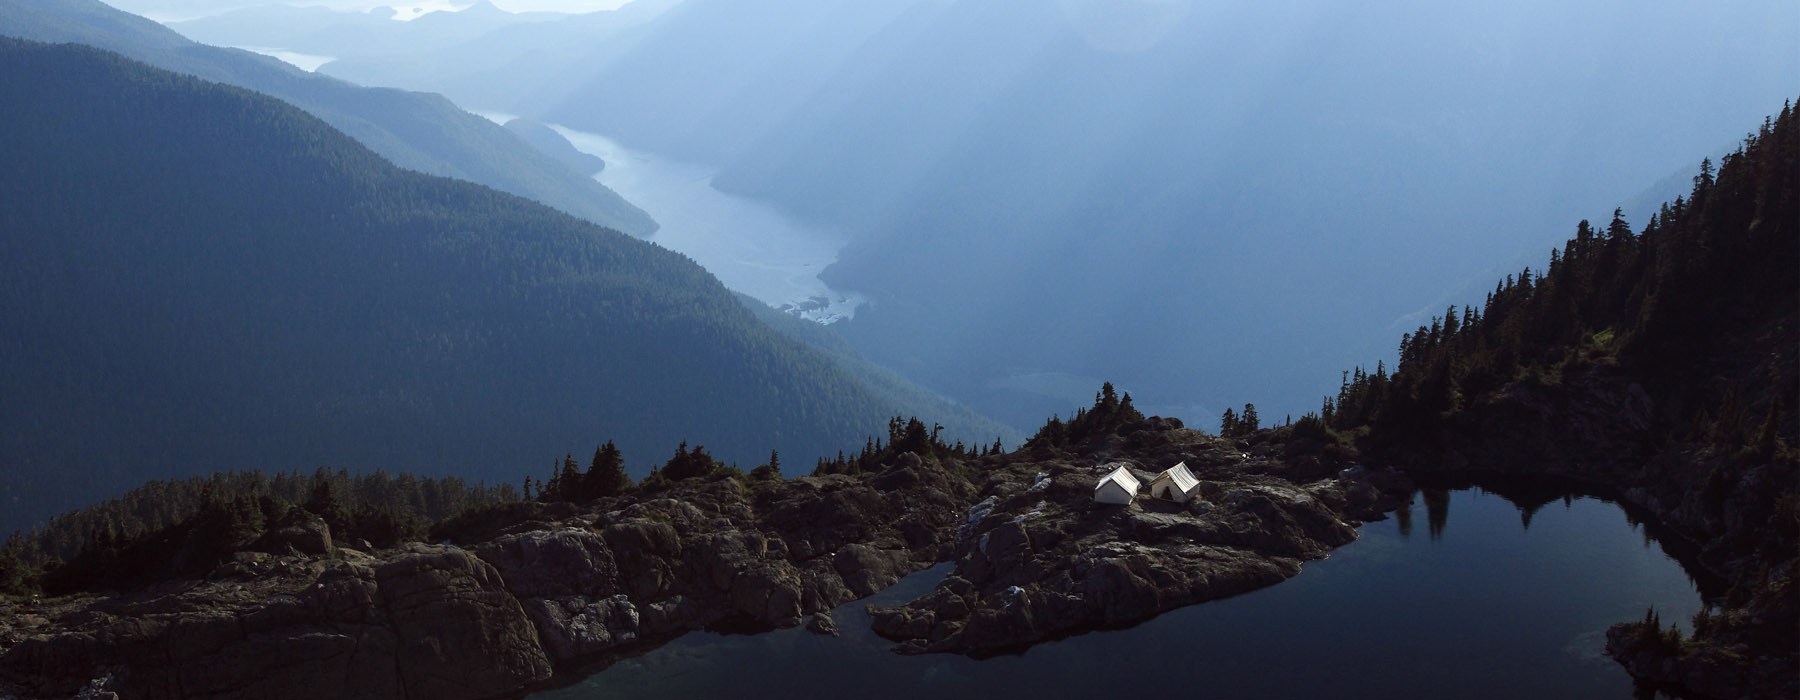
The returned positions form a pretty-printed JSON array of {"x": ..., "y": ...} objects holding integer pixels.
[
  {"x": 1039, "y": 558},
  {"x": 493, "y": 616},
  {"x": 312, "y": 537},
  {"x": 428, "y": 620},
  {"x": 1035, "y": 558},
  {"x": 1699, "y": 670}
]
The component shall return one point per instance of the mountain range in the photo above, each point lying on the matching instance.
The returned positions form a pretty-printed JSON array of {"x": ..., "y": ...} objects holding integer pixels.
[
  {"x": 1043, "y": 195},
  {"x": 423, "y": 132},
  {"x": 199, "y": 277}
]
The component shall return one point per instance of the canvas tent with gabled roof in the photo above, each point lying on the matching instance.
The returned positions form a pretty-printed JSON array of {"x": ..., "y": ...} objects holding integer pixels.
[
  {"x": 1117, "y": 488},
  {"x": 1176, "y": 484}
]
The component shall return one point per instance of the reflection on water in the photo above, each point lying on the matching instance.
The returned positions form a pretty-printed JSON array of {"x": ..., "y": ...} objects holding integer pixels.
[
  {"x": 1482, "y": 608},
  {"x": 750, "y": 245},
  {"x": 1437, "y": 510}
]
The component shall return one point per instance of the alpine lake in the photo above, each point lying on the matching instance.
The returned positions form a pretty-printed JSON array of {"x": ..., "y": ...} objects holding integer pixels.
[{"x": 1468, "y": 593}]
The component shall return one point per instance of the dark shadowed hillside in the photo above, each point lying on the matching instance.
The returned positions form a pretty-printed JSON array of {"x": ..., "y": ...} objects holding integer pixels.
[
  {"x": 420, "y": 131},
  {"x": 198, "y": 278}
]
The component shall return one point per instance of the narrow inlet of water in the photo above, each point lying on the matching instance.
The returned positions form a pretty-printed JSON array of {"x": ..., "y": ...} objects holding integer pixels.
[{"x": 750, "y": 245}]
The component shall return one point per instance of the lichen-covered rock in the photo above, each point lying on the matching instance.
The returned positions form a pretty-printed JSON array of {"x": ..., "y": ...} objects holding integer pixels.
[
  {"x": 575, "y": 626},
  {"x": 565, "y": 561},
  {"x": 461, "y": 635},
  {"x": 821, "y": 624}
]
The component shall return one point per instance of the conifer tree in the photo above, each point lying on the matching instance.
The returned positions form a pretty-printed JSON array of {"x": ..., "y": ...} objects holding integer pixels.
[
  {"x": 1128, "y": 412},
  {"x": 606, "y": 476},
  {"x": 569, "y": 480},
  {"x": 770, "y": 471}
]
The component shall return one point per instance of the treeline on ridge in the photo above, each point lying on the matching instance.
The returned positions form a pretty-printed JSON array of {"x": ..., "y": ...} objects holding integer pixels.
[
  {"x": 183, "y": 527},
  {"x": 1658, "y": 305}
]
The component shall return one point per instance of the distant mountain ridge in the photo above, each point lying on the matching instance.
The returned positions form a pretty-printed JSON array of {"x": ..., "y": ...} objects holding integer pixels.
[
  {"x": 1152, "y": 192},
  {"x": 196, "y": 277},
  {"x": 423, "y": 132}
]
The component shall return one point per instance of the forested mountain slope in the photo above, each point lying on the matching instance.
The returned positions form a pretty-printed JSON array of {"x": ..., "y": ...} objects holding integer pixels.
[
  {"x": 195, "y": 278},
  {"x": 1659, "y": 363},
  {"x": 420, "y": 131}
]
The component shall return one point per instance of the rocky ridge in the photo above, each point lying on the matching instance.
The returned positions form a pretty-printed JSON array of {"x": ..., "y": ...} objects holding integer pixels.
[
  {"x": 479, "y": 619},
  {"x": 1035, "y": 558}
]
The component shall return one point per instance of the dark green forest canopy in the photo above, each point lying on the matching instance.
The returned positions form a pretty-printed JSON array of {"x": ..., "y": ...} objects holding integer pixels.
[
  {"x": 1659, "y": 364},
  {"x": 1699, "y": 306},
  {"x": 199, "y": 278},
  {"x": 142, "y": 528}
]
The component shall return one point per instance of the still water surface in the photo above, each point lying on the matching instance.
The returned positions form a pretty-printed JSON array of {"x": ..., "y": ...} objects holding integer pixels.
[
  {"x": 1461, "y": 600},
  {"x": 750, "y": 245}
]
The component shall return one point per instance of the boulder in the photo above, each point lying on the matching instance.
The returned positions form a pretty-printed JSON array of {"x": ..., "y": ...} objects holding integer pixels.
[
  {"x": 554, "y": 563},
  {"x": 821, "y": 624},
  {"x": 575, "y": 626},
  {"x": 312, "y": 537},
  {"x": 461, "y": 635}
]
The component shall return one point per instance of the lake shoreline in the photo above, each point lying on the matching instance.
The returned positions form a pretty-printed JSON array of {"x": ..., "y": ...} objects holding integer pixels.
[{"x": 535, "y": 603}]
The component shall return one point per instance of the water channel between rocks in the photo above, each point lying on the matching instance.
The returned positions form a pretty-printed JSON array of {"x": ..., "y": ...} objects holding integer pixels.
[{"x": 1461, "y": 599}]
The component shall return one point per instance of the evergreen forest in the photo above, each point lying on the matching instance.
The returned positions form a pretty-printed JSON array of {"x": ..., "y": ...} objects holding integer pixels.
[{"x": 198, "y": 278}]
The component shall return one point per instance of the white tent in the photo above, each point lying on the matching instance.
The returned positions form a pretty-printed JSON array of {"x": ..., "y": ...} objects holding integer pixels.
[
  {"x": 1117, "y": 488},
  {"x": 1176, "y": 484}
]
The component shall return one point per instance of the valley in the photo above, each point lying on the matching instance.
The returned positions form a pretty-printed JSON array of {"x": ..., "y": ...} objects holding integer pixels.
[
  {"x": 750, "y": 245},
  {"x": 841, "y": 298}
]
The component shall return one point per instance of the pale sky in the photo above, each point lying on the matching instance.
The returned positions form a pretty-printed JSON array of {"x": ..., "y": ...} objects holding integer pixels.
[
  {"x": 558, "y": 5},
  {"x": 172, "y": 10},
  {"x": 508, "y": 5}
]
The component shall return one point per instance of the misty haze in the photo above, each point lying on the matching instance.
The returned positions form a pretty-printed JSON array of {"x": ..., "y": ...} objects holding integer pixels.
[{"x": 965, "y": 348}]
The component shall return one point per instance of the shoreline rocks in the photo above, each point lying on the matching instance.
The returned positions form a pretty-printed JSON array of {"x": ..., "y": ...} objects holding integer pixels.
[
  {"x": 1039, "y": 558},
  {"x": 1035, "y": 559},
  {"x": 502, "y": 615}
]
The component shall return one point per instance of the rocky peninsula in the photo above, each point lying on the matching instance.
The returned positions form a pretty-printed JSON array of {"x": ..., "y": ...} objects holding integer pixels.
[{"x": 505, "y": 609}]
